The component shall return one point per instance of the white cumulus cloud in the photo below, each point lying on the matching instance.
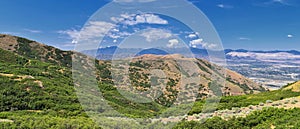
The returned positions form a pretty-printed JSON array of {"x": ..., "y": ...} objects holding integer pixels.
[
  {"x": 133, "y": 19},
  {"x": 290, "y": 36},
  {"x": 156, "y": 34},
  {"x": 192, "y": 36},
  {"x": 224, "y": 6},
  {"x": 197, "y": 42},
  {"x": 94, "y": 29},
  {"x": 172, "y": 43}
]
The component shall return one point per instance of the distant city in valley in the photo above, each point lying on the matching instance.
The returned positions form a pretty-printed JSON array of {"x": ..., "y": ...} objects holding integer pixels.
[{"x": 273, "y": 69}]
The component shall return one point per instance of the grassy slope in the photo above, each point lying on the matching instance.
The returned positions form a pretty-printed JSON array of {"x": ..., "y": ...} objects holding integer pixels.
[
  {"x": 57, "y": 93},
  {"x": 25, "y": 100},
  {"x": 19, "y": 97},
  {"x": 16, "y": 93},
  {"x": 293, "y": 86},
  {"x": 265, "y": 119},
  {"x": 229, "y": 102}
]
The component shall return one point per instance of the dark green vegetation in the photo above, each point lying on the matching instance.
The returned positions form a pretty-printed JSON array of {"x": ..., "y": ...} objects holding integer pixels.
[
  {"x": 228, "y": 102},
  {"x": 33, "y": 90},
  {"x": 35, "y": 94},
  {"x": 265, "y": 119},
  {"x": 28, "y": 84},
  {"x": 34, "y": 50},
  {"x": 129, "y": 108},
  {"x": 44, "y": 120},
  {"x": 34, "y": 85},
  {"x": 55, "y": 104},
  {"x": 37, "y": 91}
]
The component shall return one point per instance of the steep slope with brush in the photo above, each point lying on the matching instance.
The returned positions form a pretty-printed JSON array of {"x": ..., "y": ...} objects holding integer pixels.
[
  {"x": 36, "y": 77},
  {"x": 35, "y": 50}
]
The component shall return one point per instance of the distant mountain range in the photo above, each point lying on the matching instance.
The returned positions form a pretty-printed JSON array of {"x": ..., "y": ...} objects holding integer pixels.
[
  {"x": 270, "y": 68},
  {"x": 115, "y": 52},
  {"x": 110, "y": 52}
]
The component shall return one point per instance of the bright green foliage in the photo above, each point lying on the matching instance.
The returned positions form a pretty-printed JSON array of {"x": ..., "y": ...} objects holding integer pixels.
[
  {"x": 33, "y": 50},
  {"x": 31, "y": 120},
  {"x": 265, "y": 119},
  {"x": 37, "y": 92},
  {"x": 228, "y": 102},
  {"x": 57, "y": 92}
]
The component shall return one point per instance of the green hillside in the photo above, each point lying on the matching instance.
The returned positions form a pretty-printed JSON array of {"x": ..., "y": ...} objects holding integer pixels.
[
  {"x": 32, "y": 90},
  {"x": 37, "y": 91},
  {"x": 268, "y": 118},
  {"x": 35, "y": 94},
  {"x": 35, "y": 50},
  {"x": 34, "y": 85},
  {"x": 53, "y": 104}
]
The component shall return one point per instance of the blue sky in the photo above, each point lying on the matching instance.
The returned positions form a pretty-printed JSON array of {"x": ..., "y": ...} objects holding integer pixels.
[{"x": 241, "y": 24}]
